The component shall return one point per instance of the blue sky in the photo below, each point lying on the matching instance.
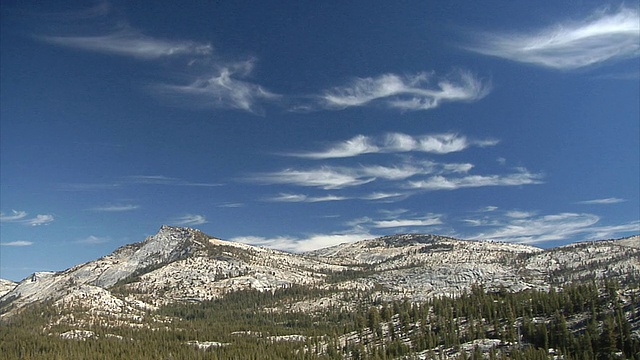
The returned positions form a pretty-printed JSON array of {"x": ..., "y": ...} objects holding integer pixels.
[{"x": 304, "y": 125}]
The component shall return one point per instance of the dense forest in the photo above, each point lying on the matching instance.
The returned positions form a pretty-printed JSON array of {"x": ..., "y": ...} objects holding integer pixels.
[{"x": 586, "y": 321}]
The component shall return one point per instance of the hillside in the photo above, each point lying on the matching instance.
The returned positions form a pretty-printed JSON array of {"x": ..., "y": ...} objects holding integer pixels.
[{"x": 156, "y": 282}]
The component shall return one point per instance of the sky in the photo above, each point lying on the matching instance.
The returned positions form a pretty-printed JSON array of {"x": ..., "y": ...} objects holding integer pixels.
[{"x": 301, "y": 125}]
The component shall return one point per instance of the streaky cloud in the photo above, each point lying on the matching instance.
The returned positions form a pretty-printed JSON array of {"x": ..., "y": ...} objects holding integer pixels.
[
  {"x": 327, "y": 178},
  {"x": 339, "y": 177},
  {"x": 516, "y": 214},
  {"x": 396, "y": 223},
  {"x": 384, "y": 196},
  {"x": 116, "y": 208},
  {"x": 231, "y": 205},
  {"x": 603, "y": 37},
  {"x": 396, "y": 143},
  {"x": 21, "y": 217},
  {"x": 301, "y": 198},
  {"x": 131, "y": 43},
  {"x": 408, "y": 92},
  {"x": 14, "y": 216},
  {"x": 220, "y": 88},
  {"x": 553, "y": 227},
  {"x": 439, "y": 182},
  {"x": 304, "y": 244},
  {"x": 94, "y": 240},
  {"x": 191, "y": 220},
  {"x": 17, "y": 243},
  {"x": 605, "y": 201},
  {"x": 40, "y": 220},
  {"x": 165, "y": 180}
]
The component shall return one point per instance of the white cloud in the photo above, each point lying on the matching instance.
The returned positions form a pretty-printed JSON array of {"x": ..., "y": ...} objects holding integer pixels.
[
  {"x": 17, "y": 243},
  {"x": 355, "y": 146},
  {"x": 304, "y": 198},
  {"x": 224, "y": 88},
  {"x": 93, "y": 240},
  {"x": 231, "y": 205},
  {"x": 396, "y": 196},
  {"x": 191, "y": 219},
  {"x": 131, "y": 43},
  {"x": 604, "y": 201},
  {"x": 215, "y": 82},
  {"x": 520, "y": 214},
  {"x": 410, "y": 92},
  {"x": 399, "y": 218},
  {"x": 21, "y": 217},
  {"x": 39, "y": 220},
  {"x": 603, "y": 37},
  {"x": 152, "y": 180},
  {"x": 613, "y": 231},
  {"x": 332, "y": 178},
  {"x": 310, "y": 243},
  {"x": 165, "y": 180},
  {"x": 14, "y": 216},
  {"x": 116, "y": 208},
  {"x": 554, "y": 227},
  {"x": 399, "y": 172},
  {"x": 397, "y": 142},
  {"x": 328, "y": 178},
  {"x": 439, "y": 182},
  {"x": 87, "y": 187},
  {"x": 407, "y": 222}
]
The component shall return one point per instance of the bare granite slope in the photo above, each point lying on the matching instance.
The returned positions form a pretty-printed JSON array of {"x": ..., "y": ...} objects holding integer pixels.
[{"x": 183, "y": 264}]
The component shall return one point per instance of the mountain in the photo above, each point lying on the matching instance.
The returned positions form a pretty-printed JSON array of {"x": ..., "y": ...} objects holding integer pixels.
[
  {"x": 6, "y": 286},
  {"x": 183, "y": 264},
  {"x": 162, "y": 279}
]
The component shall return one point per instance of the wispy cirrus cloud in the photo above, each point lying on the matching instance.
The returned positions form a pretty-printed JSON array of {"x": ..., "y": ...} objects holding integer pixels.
[
  {"x": 17, "y": 243},
  {"x": 605, "y": 36},
  {"x": 40, "y": 220},
  {"x": 303, "y": 244},
  {"x": 207, "y": 80},
  {"x": 553, "y": 227},
  {"x": 357, "y": 230},
  {"x": 409, "y": 92},
  {"x": 116, "y": 208},
  {"x": 164, "y": 180},
  {"x": 385, "y": 196},
  {"x": 402, "y": 223},
  {"x": 21, "y": 217},
  {"x": 14, "y": 216},
  {"x": 231, "y": 205},
  {"x": 334, "y": 177},
  {"x": 131, "y": 43},
  {"x": 191, "y": 220},
  {"x": 439, "y": 182},
  {"x": 396, "y": 143},
  {"x": 223, "y": 86},
  {"x": 88, "y": 187},
  {"x": 410, "y": 175},
  {"x": 302, "y": 198},
  {"x": 284, "y": 197},
  {"x": 517, "y": 214},
  {"x": 326, "y": 177},
  {"x": 94, "y": 240},
  {"x": 604, "y": 201}
]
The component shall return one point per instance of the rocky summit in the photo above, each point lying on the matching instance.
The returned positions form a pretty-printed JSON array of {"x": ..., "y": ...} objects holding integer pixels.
[
  {"x": 182, "y": 264},
  {"x": 160, "y": 281}
]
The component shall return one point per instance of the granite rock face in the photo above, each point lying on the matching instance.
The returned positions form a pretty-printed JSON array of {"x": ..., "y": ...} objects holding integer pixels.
[{"x": 182, "y": 264}]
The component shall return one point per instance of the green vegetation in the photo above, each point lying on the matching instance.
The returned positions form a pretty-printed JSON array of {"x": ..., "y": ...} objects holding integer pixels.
[{"x": 588, "y": 321}]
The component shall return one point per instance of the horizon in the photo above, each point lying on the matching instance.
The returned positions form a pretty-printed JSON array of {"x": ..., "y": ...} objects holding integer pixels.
[
  {"x": 302, "y": 253},
  {"x": 308, "y": 125}
]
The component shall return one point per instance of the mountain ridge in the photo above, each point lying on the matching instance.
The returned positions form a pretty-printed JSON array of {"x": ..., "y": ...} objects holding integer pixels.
[{"x": 180, "y": 264}]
